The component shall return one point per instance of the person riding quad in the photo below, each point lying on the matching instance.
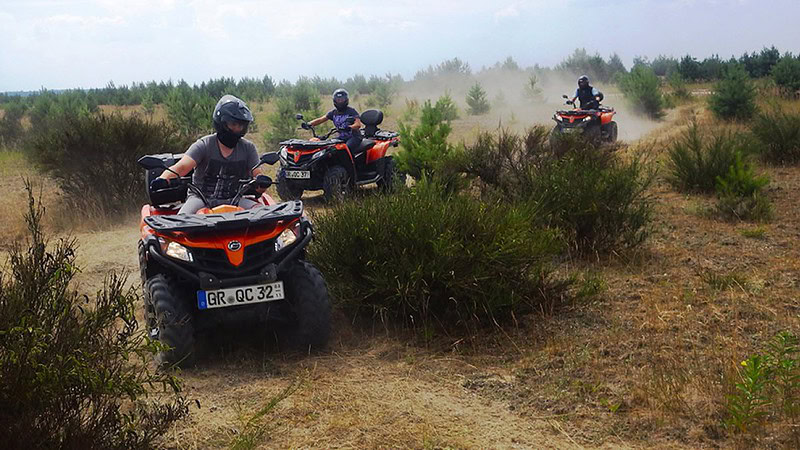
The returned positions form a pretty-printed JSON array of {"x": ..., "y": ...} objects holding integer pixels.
[
  {"x": 219, "y": 160},
  {"x": 339, "y": 115},
  {"x": 589, "y": 96}
]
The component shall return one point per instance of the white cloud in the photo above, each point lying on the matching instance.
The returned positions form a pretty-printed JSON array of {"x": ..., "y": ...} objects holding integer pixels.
[{"x": 509, "y": 11}]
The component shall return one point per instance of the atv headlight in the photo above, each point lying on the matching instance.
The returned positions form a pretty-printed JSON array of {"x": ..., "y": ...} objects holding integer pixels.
[
  {"x": 318, "y": 154},
  {"x": 557, "y": 118},
  {"x": 288, "y": 237},
  {"x": 283, "y": 153},
  {"x": 587, "y": 118},
  {"x": 178, "y": 251}
]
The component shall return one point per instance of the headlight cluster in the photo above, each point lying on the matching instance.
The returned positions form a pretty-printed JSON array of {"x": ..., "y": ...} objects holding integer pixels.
[
  {"x": 318, "y": 154},
  {"x": 283, "y": 153},
  {"x": 288, "y": 237},
  {"x": 587, "y": 118},
  {"x": 557, "y": 118},
  {"x": 175, "y": 250}
]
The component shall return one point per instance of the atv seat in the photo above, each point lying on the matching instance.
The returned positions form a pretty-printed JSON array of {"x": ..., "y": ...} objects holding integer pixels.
[
  {"x": 371, "y": 118},
  {"x": 366, "y": 144}
]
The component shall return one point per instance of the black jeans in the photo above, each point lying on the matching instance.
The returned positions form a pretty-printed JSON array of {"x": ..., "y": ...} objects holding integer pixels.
[{"x": 353, "y": 143}]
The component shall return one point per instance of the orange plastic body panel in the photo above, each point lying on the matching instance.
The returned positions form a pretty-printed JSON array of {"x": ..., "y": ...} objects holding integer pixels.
[
  {"x": 378, "y": 151},
  {"x": 220, "y": 240},
  {"x": 607, "y": 117}
]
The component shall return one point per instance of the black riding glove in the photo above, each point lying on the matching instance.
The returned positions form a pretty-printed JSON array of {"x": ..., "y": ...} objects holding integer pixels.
[
  {"x": 160, "y": 183},
  {"x": 263, "y": 181}
]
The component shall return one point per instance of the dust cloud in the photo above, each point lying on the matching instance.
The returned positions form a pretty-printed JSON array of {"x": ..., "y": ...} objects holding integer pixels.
[{"x": 515, "y": 109}]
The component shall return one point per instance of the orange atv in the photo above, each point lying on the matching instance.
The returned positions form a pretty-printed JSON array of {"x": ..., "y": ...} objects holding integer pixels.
[
  {"x": 326, "y": 163},
  {"x": 596, "y": 124},
  {"x": 227, "y": 265}
]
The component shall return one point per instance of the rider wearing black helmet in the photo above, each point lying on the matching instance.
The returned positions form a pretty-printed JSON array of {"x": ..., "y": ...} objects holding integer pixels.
[
  {"x": 340, "y": 114},
  {"x": 219, "y": 160},
  {"x": 590, "y": 97}
]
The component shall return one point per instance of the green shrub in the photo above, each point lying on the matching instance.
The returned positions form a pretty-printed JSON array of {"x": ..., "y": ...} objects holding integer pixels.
[
  {"x": 778, "y": 134},
  {"x": 678, "y": 86},
  {"x": 532, "y": 90},
  {"x": 787, "y": 75},
  {"x": 477, "y": 101},
  {"x": 189, "y": 110},
  {"x": 734, "y": 96},
  {"x": 11, "y": 130},
  {"x": 382, "y": 95},
  {"x": 93, "y": 159},
  {"x": 427, "y": 256},
  {"x": 447, "y": 107},
  {"x": 424, "y": 148},
  {"x": 642, "y": 88},
  {"x": 695, "y": 163},
  {"x": 768, "y": 391},
  {"x": 597, "y": 200},
  {"x": 740, "y": 194},
  {"x": 289, "y": 101},
  {"x": 74, "y": 374}
]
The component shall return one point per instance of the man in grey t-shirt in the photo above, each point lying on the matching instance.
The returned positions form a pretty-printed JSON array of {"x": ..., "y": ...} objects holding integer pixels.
[{"x": 219, "y": 160}]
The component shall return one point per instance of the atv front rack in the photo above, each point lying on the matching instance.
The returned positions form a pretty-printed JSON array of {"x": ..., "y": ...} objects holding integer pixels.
[
  {"x": 309, "y": 145},
  {"x": 193, "y": 223}
]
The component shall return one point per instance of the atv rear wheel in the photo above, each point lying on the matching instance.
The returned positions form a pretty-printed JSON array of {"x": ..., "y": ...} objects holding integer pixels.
[
  {"x": 389, "y": 175},
  {"x": 174, "y": 325},
  {"x": 611, "y": 131},
  {"x": 309, "y": 306},
  {"x": 285, "y": 189},
  {"x": 336, "y": 183}
]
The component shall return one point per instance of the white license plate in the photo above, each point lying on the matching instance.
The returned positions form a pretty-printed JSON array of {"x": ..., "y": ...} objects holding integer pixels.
[
  {"x": 244, "y": 295},
  {"x": 571, "y": 130},
  {"x": 298, "y": 174}
]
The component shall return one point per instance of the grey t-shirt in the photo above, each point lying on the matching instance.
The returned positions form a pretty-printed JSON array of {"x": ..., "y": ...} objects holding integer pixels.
[{"x": 216, "y": 176}]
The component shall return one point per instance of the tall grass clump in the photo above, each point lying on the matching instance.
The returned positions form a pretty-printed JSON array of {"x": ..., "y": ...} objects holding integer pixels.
[
  {"x": 734, "y": 96},
  {"x": 598, "y": 200},
  {"x": 642, "y": 88},
  {"x": 429, "y": 256},
  {"x": 696, "y": 161},
  {"x": 74, "y": 373},
  {"x": 778, "y": 135},
  {"x": 93, "y": 159}
]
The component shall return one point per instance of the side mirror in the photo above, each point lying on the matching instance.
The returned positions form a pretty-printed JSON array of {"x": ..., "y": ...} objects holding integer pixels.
[
  {"x": 298, "y": 116},
  {"x": 350, "y": 120},
  {"x": 565, "y": 96},
  {"x": 270, "y": 158},
  {"x": 151, "y": 162}
]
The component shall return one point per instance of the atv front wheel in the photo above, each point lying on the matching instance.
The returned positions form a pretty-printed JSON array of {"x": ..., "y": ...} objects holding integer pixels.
[
  {"x": 611, "y": 131},
  {"x": 174, "y": 325},
  {"x": 336, "y": 183},
  {"x": 592, "y": 133},
  {"x": 285, "y": 189},
  {"x": 309, "y": 306},
  {"x": 389, "y": 175}
]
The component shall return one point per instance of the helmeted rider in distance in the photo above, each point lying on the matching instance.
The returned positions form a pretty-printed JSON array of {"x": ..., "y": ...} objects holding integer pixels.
[
  {"x": 219, "y": 160},
  {"x": 339, "y": 115},
  {"x": 589, "y": 97}
]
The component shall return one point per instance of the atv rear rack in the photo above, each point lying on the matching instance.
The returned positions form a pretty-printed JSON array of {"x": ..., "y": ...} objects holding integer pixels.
[{"x": 226, "y": 221}]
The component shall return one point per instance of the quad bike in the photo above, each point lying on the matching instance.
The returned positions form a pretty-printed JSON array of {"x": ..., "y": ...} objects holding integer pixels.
[
  {"x": 327, "y": 164},
  {"x": 596, "y": 124},
  {"x": 227, "y": 265}
]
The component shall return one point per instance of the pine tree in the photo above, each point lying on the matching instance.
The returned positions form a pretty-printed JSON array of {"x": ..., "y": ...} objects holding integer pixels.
[{"x": 476, "y": 99}]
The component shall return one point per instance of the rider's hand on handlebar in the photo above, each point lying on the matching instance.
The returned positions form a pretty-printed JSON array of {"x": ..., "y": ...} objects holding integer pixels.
[{"x": 163, "y": 183}]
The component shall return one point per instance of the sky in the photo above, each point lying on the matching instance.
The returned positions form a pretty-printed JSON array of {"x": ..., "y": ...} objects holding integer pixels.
[{"x": 59, "y": 44}]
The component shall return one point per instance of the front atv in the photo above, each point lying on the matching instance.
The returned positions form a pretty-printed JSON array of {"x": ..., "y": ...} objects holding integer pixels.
[
  {"x": 227, "y": 266},
  {"x": 326, "y": 164},
  {"x": 596, "y": 125}
]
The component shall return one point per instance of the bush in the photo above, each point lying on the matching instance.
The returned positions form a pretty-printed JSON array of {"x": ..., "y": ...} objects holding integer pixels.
[
  {"x": 93, "y": 159},
  {"x": 11, "y": 130},
  {"x": 734, "y": 96},
  {"x": 74, "y": 375},
  {"x": 382, "y": 95},
  {"x": 447, "y": 107},
  {"x": 740, "y": 194},
  {"x": 597, "y": 200},
  {"x": 694, "y": 164},
  {"x": 425, "y": 147},
  {"x": 778, "y": 134},
  {"x": 291, "y": 100},
  {"x": 424, "y": 255},
  {"x": 532, "y": 90},
  {"x": 787, "y": 75},
  {"x": 476, "y": 99},
  {"x": 642, "y": 88}
]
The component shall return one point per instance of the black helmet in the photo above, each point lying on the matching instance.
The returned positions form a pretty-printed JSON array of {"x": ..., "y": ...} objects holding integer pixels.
[
  {"x": 340, "y": 99},
  {"x": 230, "y": 109},
  {"x": 583, "y": 81}
]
